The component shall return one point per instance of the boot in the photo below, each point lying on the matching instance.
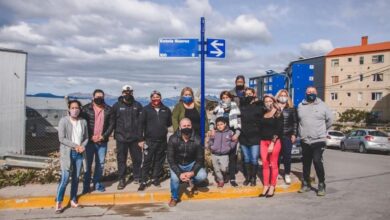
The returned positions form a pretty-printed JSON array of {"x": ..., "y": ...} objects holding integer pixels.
[
  {"x": 248, "y": 168},
  {"x": 254, "y": 175},
  {"x": 321, "y": 189},
  {"x": 306, "y": 187}
]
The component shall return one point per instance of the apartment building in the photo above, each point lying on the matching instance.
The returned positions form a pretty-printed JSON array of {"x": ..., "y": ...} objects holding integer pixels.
[{"x": 359, "y": 77}]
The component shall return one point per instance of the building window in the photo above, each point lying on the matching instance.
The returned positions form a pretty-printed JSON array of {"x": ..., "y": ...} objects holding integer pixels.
[
  {"x": 349, "y": 59},
  {"x": 376, "y": 96},
  {"x": 333, "y": 96},
  {"x": 361, "y": 60},
  {"x": 360, "y": 97},
  {"x": 348, "y": 94},
  {"x": 335, "y": 63},
  {"x": 361, "y": 77},
  {"x": 265, "y": 88},
  {"x": 270, "y": 80},
  {"x": 335, "y": 79},
  {"x": 378, "y": 59},
  {"x": 349, "y": 76},
  {"x": 270, "y": 88},
  {"x": 377, "y": 77},
  {"x": 265, "y": 79}
]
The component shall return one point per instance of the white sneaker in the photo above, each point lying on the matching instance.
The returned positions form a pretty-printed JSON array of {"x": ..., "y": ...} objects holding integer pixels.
[
  {"x": 287, "y": 179},
  {"x": 280, "y": 176}
]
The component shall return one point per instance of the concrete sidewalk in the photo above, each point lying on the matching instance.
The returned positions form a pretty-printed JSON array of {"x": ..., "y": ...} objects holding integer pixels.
[{"x": 42, "y": 196}]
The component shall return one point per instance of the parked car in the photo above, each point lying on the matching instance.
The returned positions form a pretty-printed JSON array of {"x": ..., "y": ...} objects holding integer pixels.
[
  {"x": 333, "y": 138},
  {"x": 364, "y": 140}
]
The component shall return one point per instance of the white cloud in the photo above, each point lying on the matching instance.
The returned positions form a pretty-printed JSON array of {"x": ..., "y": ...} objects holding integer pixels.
[
  {"x": 317, "y": 48},
  {"x": 246, "y": 28},
  {"x": 22, "y": 32}
]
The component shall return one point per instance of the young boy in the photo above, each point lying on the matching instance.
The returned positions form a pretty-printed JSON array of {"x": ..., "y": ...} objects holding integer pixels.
[{"x": 220, "y": 146}]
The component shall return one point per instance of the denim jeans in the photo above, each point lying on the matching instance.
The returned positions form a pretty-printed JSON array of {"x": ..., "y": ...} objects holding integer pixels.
[
  {"x": 175, "y": 180},
  {"x": 97, "y": 151},
  {"x": 76, "y": 161},
  {"x": 286, "y": 154},
  {"x": 251, "y": 154}
]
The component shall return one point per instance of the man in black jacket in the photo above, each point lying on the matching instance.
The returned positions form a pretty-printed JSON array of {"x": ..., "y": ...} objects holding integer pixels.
[
  {"x": 154, "y": 122},
  {"x": 185, "y": 158},
  {"x": 127, "y": 112},
  {"x": 100, "y": 122}
]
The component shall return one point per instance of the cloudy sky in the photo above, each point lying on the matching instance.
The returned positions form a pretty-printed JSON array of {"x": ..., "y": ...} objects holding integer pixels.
[{"x": 80, "y": 45}]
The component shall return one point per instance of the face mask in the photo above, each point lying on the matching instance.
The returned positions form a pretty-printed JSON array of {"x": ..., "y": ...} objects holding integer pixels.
[
  {"x": 283, "y": 99},
  {"x": 98, "y": 100},
  {"x": 248, "y": 99},
  {"x": 74, "y": 113},
  {"x": 311, "y": 97},
  {"x": 239, "y": 87},
  {"x": 187, "y": 99},
  {"x": 268, "y": 107},
  {"x": 128, "y": 98},
  {"x": 186, "y": 131},
  {"x": 156, "y": 102}
]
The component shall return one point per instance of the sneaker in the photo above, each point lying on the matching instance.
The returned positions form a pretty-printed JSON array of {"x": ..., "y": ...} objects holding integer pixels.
[
  {"x": 142, "y": 187},
  {"x": 172, "y": 203},
  {"x": 220, "y": 184},
  {"x": 287, "y": 179},
  {"x": 59, "y": 208},
  {"x": 233, "y": 183},
  {"x": 99, "y": 187},
  {"x": 246, "y": 182},
  {"x": 121, "y": 184},
  {"x": 280, "y": 177},
  {"x": 156, "y": 183},
  {"x": 305, "y": 188},
  {"x": 321, "y": 189}
]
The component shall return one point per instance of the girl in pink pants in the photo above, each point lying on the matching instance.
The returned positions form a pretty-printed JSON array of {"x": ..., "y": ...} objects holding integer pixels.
[{"x": 270, "y": 132}]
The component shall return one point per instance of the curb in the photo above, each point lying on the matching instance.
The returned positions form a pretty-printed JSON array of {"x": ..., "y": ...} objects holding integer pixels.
[{"x": 143, "y": 197}]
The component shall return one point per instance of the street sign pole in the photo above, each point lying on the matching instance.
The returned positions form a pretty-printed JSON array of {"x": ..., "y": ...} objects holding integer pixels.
[{"x": 202, "y": 80}]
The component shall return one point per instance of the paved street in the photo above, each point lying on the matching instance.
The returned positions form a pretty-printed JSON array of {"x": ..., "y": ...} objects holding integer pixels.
[{"x": 357, "y": 188}]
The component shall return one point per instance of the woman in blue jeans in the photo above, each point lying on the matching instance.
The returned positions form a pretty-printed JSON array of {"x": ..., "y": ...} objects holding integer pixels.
[
  {"x": 73, "y": 137},
  {"x": 252, "y": 111}
]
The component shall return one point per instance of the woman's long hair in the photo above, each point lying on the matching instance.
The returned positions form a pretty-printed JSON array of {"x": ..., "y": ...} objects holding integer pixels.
[
  {"x": 290, "y": 103},
  {"x": 275, "y": 105}
]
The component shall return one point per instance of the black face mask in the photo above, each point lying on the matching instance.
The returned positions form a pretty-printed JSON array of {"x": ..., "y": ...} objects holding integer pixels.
[
  {"x": 247, "y": 100},
  {"x": 128, "y": 98},
  {"x": 186, "y": 131},
  {"x": 239, "y": 87},
  {"x": 98, "y": 100}
]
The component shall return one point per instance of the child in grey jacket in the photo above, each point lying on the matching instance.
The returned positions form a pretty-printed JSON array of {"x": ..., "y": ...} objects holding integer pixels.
[{"x": 220, "y": 146}]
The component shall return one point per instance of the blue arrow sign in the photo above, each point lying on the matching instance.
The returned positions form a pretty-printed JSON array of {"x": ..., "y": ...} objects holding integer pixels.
[
  {"x": 216, "y": 48},
  {"x": 178, "y": 47}
]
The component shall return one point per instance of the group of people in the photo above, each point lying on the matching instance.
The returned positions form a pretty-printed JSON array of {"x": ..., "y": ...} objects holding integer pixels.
[{"x": 260, "y": 127}]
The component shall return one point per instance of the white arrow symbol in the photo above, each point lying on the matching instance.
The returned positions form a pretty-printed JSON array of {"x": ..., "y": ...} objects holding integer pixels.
[{"x": 216, "y": 46}]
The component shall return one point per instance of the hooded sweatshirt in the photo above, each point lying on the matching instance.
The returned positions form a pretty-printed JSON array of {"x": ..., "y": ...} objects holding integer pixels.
[{"x": 314, "y": 120}]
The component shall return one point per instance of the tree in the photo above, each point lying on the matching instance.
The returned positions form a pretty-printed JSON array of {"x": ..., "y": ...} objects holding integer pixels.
[{"x": 353, "y": 115}]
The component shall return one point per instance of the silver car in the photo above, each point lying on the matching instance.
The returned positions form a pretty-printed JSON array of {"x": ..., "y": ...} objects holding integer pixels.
[
  {"x": 333, "y": 138},
  {"x": 366, "y": 139}
]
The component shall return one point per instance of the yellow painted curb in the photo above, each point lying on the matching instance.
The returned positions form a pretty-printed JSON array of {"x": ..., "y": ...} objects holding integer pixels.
[{"x": 144, "y": 197}]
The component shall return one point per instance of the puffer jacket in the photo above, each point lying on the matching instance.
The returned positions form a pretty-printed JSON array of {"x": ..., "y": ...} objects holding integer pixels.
[
  {"x": 126, "y": 120},
  {"x": 184, "y": 153},
  {"x": 108, "y": 125},
  {"x": 290, "y": 122},
  {"x": 222, "y": 143}
]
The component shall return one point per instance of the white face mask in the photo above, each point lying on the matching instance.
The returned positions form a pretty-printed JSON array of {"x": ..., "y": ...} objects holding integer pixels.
[{"x": 283, "y": 99}]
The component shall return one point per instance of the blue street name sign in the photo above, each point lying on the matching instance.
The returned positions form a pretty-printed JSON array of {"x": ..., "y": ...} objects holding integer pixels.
[
  {"x": 178, "y": 47},
  {"x": 216, "y": 48}
]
